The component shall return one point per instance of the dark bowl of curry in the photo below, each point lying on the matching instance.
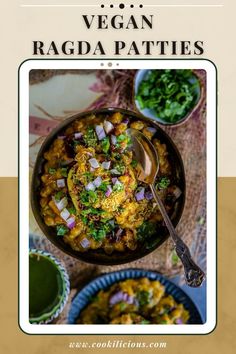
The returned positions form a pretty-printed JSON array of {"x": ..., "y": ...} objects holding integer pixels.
[{"x": 85, "y": 194}]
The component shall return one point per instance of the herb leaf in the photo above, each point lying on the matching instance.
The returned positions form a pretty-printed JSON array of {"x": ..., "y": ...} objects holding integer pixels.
[
  {"x": 63, "y": 171},
  {"x": 146, "y": 230},
  {"x": 62, "y": 230},
  {"x": 90, "y": 137},
  {"x": 51, "y": 170},
  {"x": 105, "y": 144},
  {"x": 143, "y": 297},
  {"x": 163, "y": 183},
  {"x": 88, "y": 198},
  {"x": 59, "y": 195}
]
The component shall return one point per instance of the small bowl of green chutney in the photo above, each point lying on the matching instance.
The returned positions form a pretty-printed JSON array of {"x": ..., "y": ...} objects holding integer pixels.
[
  {"x": 49, "y": 287},
  {"x": 168, "y": 96}
]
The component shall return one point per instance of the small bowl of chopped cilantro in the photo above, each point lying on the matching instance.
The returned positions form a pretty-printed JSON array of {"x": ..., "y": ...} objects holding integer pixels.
[{"x": 167, "y": 95}]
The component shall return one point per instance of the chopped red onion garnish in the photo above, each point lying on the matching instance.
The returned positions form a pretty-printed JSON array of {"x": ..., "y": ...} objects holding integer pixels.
[
  {"x": 114, "y": 171},
  {"x": 149, "y": 195},
  {"x": 108, "y": 126},
  {"x": 126, "y": 121},
  {"x": 97, "y": 182},
  {"x": 118, "y": 183},
  {"x": 92, "y": 169},
  {"x": 140, "y": 194},
  {"x": 117, "y": 297},
  {"x": 106, "y": 165},
  {"x": 152, "y": 130},
  {"x": 179, "y": 321},
  {"x": 177, "y": 192},
  {"x": 61, "y": 204},
  {"x": 61, "y": 183},
  {"x": 71, "y": 222},
  {"x": 113, "y": 139},
  {"x": 78, "y": 135},
  {"x": 109, "y": 191},
  {"x": 100, "y": 132},
  {"x": 85, "y": 243},
  {"x": 128, "y": 298},
  {"x": 65, "y": 214},
  {"x": 120, "y": 296},
  {"x": 94, "y": 163},
  {"x": 114, "y": 179},
  {"x": 119, "y": 232},
  {"x": 89, "y": 153},
  {"x": 61, "y": 137},
  {"x": 90, "y": 187}
]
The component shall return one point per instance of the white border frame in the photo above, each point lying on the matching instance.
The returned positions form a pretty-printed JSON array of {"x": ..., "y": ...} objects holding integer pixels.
[{"x": 28, "y": 65}]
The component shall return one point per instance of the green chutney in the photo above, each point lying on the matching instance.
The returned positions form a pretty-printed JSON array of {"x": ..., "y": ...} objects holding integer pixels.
[{"x": 45, "y": 287}]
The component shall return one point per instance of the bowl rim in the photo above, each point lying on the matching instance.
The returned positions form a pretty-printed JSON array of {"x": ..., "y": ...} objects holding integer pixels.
[
  {"x": 122, "y": 275},
  {"x": 183, "y": 119},
  {"x": 58, "y": 308},
  {"x": 50, "y": 137}
]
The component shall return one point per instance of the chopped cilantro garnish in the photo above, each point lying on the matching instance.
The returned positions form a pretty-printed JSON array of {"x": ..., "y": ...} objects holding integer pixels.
[
  {"x": 51, "y": 170},
  {"x": 129, "y": 140},
  {"x": 103, "y": 186},
  {"x": 118, "y": 187},
  {"x": 98, "y": 232},
  {"x": 88, "y": 176},
  {"x": 76, "y": 180},
  {"x": 163, "y": 183},
  {"x": 88, "y": 197},
  {"x": 120, "y": 167},
  {"x": 116, "y": 155},
  {"x": 105, "y": 144},
  {"x": 58, "y": 196},
  {"x": 145, "y": 322},
  {"x": 143, "y": 297},
  {"x": 72, "y": 210},
  {"x": 62, "y": 230},
  {"x": 63, "y": 171},
  {"x": 134, "y": 163},
  {"x": 90, "y": 137},
  {"x": 101, "y": 234},
  {"x": 120, "y": 138},
  {"x": 97, "y": 235},
  {"x": 170, "y": 93},
  {"x": 84, "y": 219},
  {"x": 92, "y": 211},
  {"x": 122, "y": 305},
  {"x": 146, "y": 230}
]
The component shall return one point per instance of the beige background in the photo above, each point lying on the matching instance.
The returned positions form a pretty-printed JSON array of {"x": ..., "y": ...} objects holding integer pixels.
[
  {"x": 21, "y": 25},
  {"x": 222, "y": 340}
]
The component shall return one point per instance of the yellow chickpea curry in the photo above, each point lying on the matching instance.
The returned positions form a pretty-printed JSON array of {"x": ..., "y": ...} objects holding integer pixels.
[
  {"x": 89, "y": 191},
  {"x": 134, "y": 301}
]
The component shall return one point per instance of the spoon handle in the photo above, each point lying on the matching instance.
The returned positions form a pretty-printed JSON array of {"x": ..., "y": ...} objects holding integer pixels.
[{"x": 194, "y": 276}]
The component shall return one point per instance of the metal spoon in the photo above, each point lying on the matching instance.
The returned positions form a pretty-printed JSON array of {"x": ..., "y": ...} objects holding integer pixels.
[{"x": 148, "y": 166}]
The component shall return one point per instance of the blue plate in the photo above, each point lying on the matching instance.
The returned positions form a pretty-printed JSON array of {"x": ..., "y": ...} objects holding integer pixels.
[{"x": 82, "y": 299}]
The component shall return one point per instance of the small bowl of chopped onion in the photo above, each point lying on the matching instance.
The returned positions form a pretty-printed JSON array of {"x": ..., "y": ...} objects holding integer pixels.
[{"x": 169, "y": 96}]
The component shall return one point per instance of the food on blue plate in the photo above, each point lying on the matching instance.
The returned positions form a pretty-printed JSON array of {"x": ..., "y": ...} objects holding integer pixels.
[
  {"x": 134, "y": 301},
  {"x": 89, "y": 192}
]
